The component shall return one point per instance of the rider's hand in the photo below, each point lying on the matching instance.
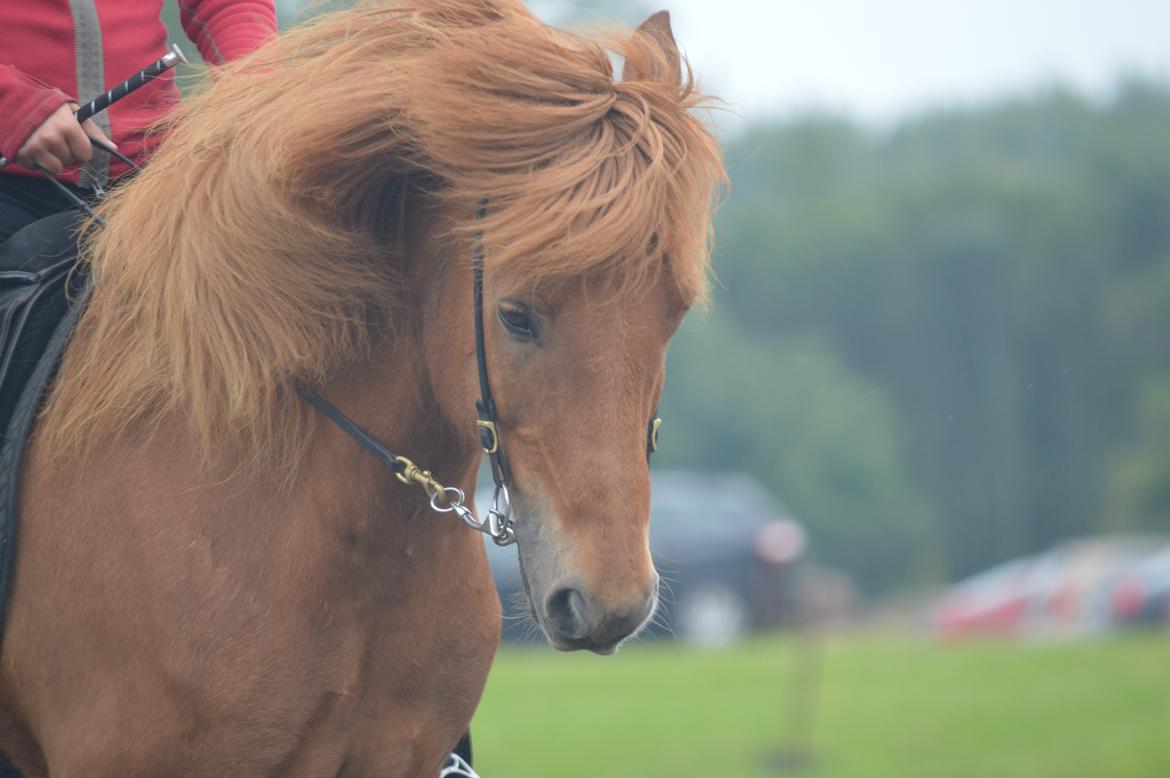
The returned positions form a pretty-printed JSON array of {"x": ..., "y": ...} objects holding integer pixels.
[{"x": 60, "y": 141}]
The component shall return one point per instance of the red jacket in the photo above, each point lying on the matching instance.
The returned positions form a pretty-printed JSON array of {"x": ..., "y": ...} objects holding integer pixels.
[{"x": 55, "y": 51}]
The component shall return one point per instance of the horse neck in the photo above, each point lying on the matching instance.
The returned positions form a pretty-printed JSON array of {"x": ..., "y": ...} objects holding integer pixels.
[{"x": 391, "y": 396}]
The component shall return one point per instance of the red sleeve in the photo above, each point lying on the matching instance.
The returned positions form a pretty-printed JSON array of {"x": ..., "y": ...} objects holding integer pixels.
[
  {"x": 224, "y": 30},
  {"x": 24, "y": 104}
]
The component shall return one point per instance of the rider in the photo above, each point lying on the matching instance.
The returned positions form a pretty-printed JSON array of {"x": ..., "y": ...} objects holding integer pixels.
[{"x": 51, "y": 61}]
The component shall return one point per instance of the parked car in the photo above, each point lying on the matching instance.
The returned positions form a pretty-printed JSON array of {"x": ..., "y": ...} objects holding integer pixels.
[
  {"x": 994, "y": 602},
  {"x": 723, "y": 545},
  {"x": 1141, "y": 595},
  {"x": 1064, "y": 591},
  {"x": 1073, "y": 580}
]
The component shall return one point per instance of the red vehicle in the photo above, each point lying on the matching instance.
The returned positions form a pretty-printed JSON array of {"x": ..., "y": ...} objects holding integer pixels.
[
  {"x": 994, "y": 602},
  {"x": 1064, "y": 591},
  {"x": 1141, "y": 596}
]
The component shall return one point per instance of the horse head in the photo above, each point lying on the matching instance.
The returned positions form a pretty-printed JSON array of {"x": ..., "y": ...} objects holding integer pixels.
[
  {"x": 576, "y": 358},
  {"x": 579, "y": 380}
]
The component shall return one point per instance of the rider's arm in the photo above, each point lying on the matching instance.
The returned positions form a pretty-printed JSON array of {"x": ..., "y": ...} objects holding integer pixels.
[
  {"x": 42, "y": 129},
  {"x": 224, "y": 30},
  {"x": 25, "y": 104}
]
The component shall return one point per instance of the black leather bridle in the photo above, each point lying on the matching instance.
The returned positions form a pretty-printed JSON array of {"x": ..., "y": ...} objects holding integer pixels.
[
  {"x": 485, "y": 406},
  {"x": 448, "y": 499}
]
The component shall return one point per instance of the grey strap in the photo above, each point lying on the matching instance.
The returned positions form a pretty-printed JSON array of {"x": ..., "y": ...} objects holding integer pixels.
[{"x": 91, "y": 82}]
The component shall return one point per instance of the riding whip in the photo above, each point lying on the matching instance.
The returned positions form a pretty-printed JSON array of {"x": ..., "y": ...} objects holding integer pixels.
[
  {"x": 136, "y": 81},
  {"x": 139, "y": 79}
]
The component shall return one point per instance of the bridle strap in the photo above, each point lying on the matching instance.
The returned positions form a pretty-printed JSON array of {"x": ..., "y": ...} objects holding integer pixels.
[
  {"x": 489, "y": 432},
  {"x": 443, "y": 499},
  {"x": 486, "y": 407},
  {"x": 379, "y": 452},
  {"x": 447, "y": 499}
]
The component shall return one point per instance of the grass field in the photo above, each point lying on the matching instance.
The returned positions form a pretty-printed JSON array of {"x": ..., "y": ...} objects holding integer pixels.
[{"x": 887, "y": 707}]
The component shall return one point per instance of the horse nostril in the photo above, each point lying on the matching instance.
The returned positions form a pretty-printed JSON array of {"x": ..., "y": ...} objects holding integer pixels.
[{"x": 567, "y": 613}]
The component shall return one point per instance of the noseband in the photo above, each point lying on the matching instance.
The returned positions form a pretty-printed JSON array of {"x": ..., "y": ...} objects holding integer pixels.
[{"x": 451, "y": 499}]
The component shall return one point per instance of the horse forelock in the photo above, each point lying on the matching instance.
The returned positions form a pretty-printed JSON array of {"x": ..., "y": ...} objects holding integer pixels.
[{"x": 260, "y": 244}]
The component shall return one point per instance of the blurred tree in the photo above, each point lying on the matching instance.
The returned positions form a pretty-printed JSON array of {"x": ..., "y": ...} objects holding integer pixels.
[
  {"x": 791, "y": 414},
  {"x": 1001, "y": 273},
  {"x": 1140, "y": 478}
]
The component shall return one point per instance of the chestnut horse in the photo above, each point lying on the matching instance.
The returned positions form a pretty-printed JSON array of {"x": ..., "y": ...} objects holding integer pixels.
[{"x": 215, "y": 581}]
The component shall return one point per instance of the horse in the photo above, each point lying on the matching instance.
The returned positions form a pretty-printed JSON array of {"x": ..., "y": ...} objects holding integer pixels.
[{"x": 213, "y": 580}]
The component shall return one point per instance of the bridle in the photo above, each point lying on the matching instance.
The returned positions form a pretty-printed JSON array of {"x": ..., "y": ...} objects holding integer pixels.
[
  {"x": 485, "y": 406},
  {"x": 450, "y": 499}
]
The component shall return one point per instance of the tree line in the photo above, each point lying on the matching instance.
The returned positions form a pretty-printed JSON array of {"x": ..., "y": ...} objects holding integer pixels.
[{"x": 947, "y": 343}]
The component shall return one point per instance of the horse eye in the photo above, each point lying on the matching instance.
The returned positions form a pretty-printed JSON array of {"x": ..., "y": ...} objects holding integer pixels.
[{"x": 517, "y": 320}]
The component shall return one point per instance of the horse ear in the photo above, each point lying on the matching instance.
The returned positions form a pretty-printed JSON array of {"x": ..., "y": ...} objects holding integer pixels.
[{"x": 663, "y": 60}]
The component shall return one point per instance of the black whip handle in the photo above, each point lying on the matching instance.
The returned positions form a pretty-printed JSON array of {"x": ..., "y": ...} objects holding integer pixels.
[{"x": 136, "y": 81}]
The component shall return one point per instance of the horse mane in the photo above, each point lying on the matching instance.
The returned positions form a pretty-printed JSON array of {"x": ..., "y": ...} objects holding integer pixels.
[{"x": 253, "y": 251}]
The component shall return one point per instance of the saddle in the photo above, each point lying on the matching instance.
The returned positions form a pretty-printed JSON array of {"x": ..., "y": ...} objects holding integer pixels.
[{"x": 41, "y": 300}]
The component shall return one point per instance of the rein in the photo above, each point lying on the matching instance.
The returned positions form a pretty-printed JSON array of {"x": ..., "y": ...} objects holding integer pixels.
[{"x": 449, "y": 499}]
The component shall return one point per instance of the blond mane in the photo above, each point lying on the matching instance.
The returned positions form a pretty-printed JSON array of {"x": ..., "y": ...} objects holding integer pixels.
[{"x": 252, "y": 252}]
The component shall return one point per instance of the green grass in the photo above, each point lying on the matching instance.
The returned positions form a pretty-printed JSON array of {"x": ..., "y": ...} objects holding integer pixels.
[{"x": 886, "y": 707}]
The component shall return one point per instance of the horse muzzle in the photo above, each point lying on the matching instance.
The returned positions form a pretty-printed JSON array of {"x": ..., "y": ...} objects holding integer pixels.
[{"x": 573, "y": 620}]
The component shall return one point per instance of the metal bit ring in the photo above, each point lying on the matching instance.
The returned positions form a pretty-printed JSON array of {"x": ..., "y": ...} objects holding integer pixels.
[
  {"x": 451, "y": 495},
  {"x": 499, "y": 518}
]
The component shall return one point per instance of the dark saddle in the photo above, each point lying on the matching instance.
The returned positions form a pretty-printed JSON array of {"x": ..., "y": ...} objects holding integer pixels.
[{"x": 41, "y": 299}]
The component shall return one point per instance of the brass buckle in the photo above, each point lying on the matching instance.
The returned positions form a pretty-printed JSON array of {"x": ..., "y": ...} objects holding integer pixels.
[
  {"x": 412, "y": 475},
  {"x": 490, "y": 426},
  {"x": 654, "y": 427}
]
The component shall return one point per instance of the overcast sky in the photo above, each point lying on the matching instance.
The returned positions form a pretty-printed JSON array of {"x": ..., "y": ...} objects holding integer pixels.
[{"x": 878, "y": 59}]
